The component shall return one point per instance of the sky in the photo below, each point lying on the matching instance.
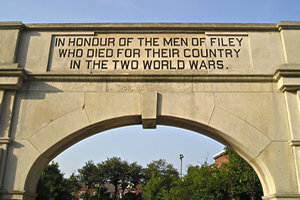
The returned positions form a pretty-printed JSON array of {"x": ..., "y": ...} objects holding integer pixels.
[
  {"x": 194, "y": 11},
  {"x": 133, "y": 143}
]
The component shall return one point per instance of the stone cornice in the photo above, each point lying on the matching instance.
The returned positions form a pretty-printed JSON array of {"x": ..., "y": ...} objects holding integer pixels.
[
  {"x": 153, "y": 27},
  {"x": 294, "y": 142},
  {"x": 288, "y": 25},
  {"x": 150, "y": 77},
  {"x": 11, "y": 25},
  {"x": 5, "y": 140},
  {"x": 288, "y": 77},
  {"x": 12, "y": 77},
  {"x": 17, "y": 192},
  {"x": 282, "y": 196}
]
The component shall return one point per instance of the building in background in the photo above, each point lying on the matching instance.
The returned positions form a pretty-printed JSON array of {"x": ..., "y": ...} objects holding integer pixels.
[{"x": 221, "y": 157}]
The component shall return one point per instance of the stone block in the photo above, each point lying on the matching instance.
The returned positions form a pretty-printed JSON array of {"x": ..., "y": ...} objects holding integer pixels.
[
  {"x": 179, "y": 105},
  {"x": 105, "y": 106},
  {"x": 17, "y": 159},
  {"x": 58, "y": 131},
  {"x": 291, "y": 45},
  {"x": 278, "y": 159},
  {"x": 149, "y": 109},
  {"x": 44, "y": 113},
  {"x": 8, "y": 46},
  {"x": 236, "y": 131},
  {"x": 266, "y": 52},
  {"x": 263, "y": 110}
]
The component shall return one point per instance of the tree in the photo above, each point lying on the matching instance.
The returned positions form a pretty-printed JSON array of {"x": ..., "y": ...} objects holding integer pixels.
[
  {"x": 92, "y": 176},
  {"x": 244, "y": 182},
  {"x": 72, "y": 184},
  {"x": 119, "y": 173},
  {"x": 88, "y": 176},
  {"x": 136, "y": 174},
  {"x": 159, "y": 168},
  {"x": 160, "y": 178},
  {"x": 206, "y": 182},
  {"x": 116, "y": 172},
  {"x": 52, "y": 184},
  {"x": 200, "y": 183},
  {"x": 233, "y": 180}
]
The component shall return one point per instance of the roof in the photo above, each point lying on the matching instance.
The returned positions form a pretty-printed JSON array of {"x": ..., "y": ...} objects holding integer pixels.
[{"x": 222, "y": 153}]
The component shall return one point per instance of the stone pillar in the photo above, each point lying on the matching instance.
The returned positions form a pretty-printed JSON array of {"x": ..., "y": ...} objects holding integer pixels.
[
  {"x": 288, "y": 79},
  {"x": 288, "y": 82},
  {"x": 11, "y": 80},
  {"x": 293, "y": 109},
  {"x": 5, "y": 120},
  {"x": 19, "y": 195}
]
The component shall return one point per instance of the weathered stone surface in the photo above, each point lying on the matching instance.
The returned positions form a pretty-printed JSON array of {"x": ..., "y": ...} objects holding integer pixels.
[
  {"x": 8, "y": 45},
  {"x": 61, "y": 83},
  {"x": 232, "y": 87},
  {"x": 263, "y": 114},
  {"x": 266, "y": 58},
  {"x": 236, "y": 130},
  {"x": 37, "y": 109},
  {"x": 183, "y": 101},
  {"x": 291, "y": 45},
  {"x": 149, "y": 108},
  {"x": 20, "y": 153},
  {"x": 280, "y": 170},
  {"x": 105, "y": 106}
]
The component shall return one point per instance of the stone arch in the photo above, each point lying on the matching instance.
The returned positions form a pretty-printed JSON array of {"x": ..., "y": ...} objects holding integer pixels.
[
  {"x": 217, "y": 134},
  {"x": 48, "y": 103}
]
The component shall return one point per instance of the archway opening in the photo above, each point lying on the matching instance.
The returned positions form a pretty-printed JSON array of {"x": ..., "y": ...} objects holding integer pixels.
[
  {"x": 133, "y": 143},
  {"x": 143, "y": 144}
]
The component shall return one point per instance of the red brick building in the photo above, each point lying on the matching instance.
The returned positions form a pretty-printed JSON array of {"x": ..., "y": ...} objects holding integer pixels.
[{"x": 221, "y": 158}]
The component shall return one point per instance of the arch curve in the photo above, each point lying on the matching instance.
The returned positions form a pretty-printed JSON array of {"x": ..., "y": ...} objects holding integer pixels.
[{"x": 215, "y": 132}]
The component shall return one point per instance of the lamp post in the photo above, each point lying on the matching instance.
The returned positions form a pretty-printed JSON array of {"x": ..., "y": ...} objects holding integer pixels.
[{"x": 181, "y": 157}]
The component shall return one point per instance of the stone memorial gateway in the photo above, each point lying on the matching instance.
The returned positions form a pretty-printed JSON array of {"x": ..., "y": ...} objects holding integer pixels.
[{"x": 236, "y": 83}]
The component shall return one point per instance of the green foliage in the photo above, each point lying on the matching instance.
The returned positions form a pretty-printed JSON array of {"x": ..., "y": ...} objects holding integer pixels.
[
  {"x": 52, "y": 185},
  {"x": 101, "y": 194},
  {"x": 159, "y": 168},
  {"x": 160, "y": 181},
  {"x": 200, "y": 183},
  {"x": 244, "y": 182},
  {"x": 206, "y": 182},
  {"x": 113, "y": 170},
  {"x": 72, "y": 184},
  {"x": 91, "y": 176},
  {"x": 116, "y": 172},
  {"x": 136, "y": 174},
  {"x": 161, "y": 177},
  {"x": 132, "y": 196},
  {"x": 235, "y": 180},
  {"x": 88, "y": 174}
]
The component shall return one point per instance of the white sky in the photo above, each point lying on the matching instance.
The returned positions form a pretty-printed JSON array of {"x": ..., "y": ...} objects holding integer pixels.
[{"x": 133, "y": 143}]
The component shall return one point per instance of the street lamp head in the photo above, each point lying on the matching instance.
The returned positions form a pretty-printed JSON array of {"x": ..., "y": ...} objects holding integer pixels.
[{"x": 180, "y": 157}]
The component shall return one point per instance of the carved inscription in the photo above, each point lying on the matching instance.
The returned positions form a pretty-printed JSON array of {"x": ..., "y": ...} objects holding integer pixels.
[{"x": 150, "y": 52}]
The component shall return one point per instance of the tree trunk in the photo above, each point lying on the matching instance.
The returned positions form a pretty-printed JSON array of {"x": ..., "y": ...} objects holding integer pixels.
[{"x": 116, "y": 191}]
